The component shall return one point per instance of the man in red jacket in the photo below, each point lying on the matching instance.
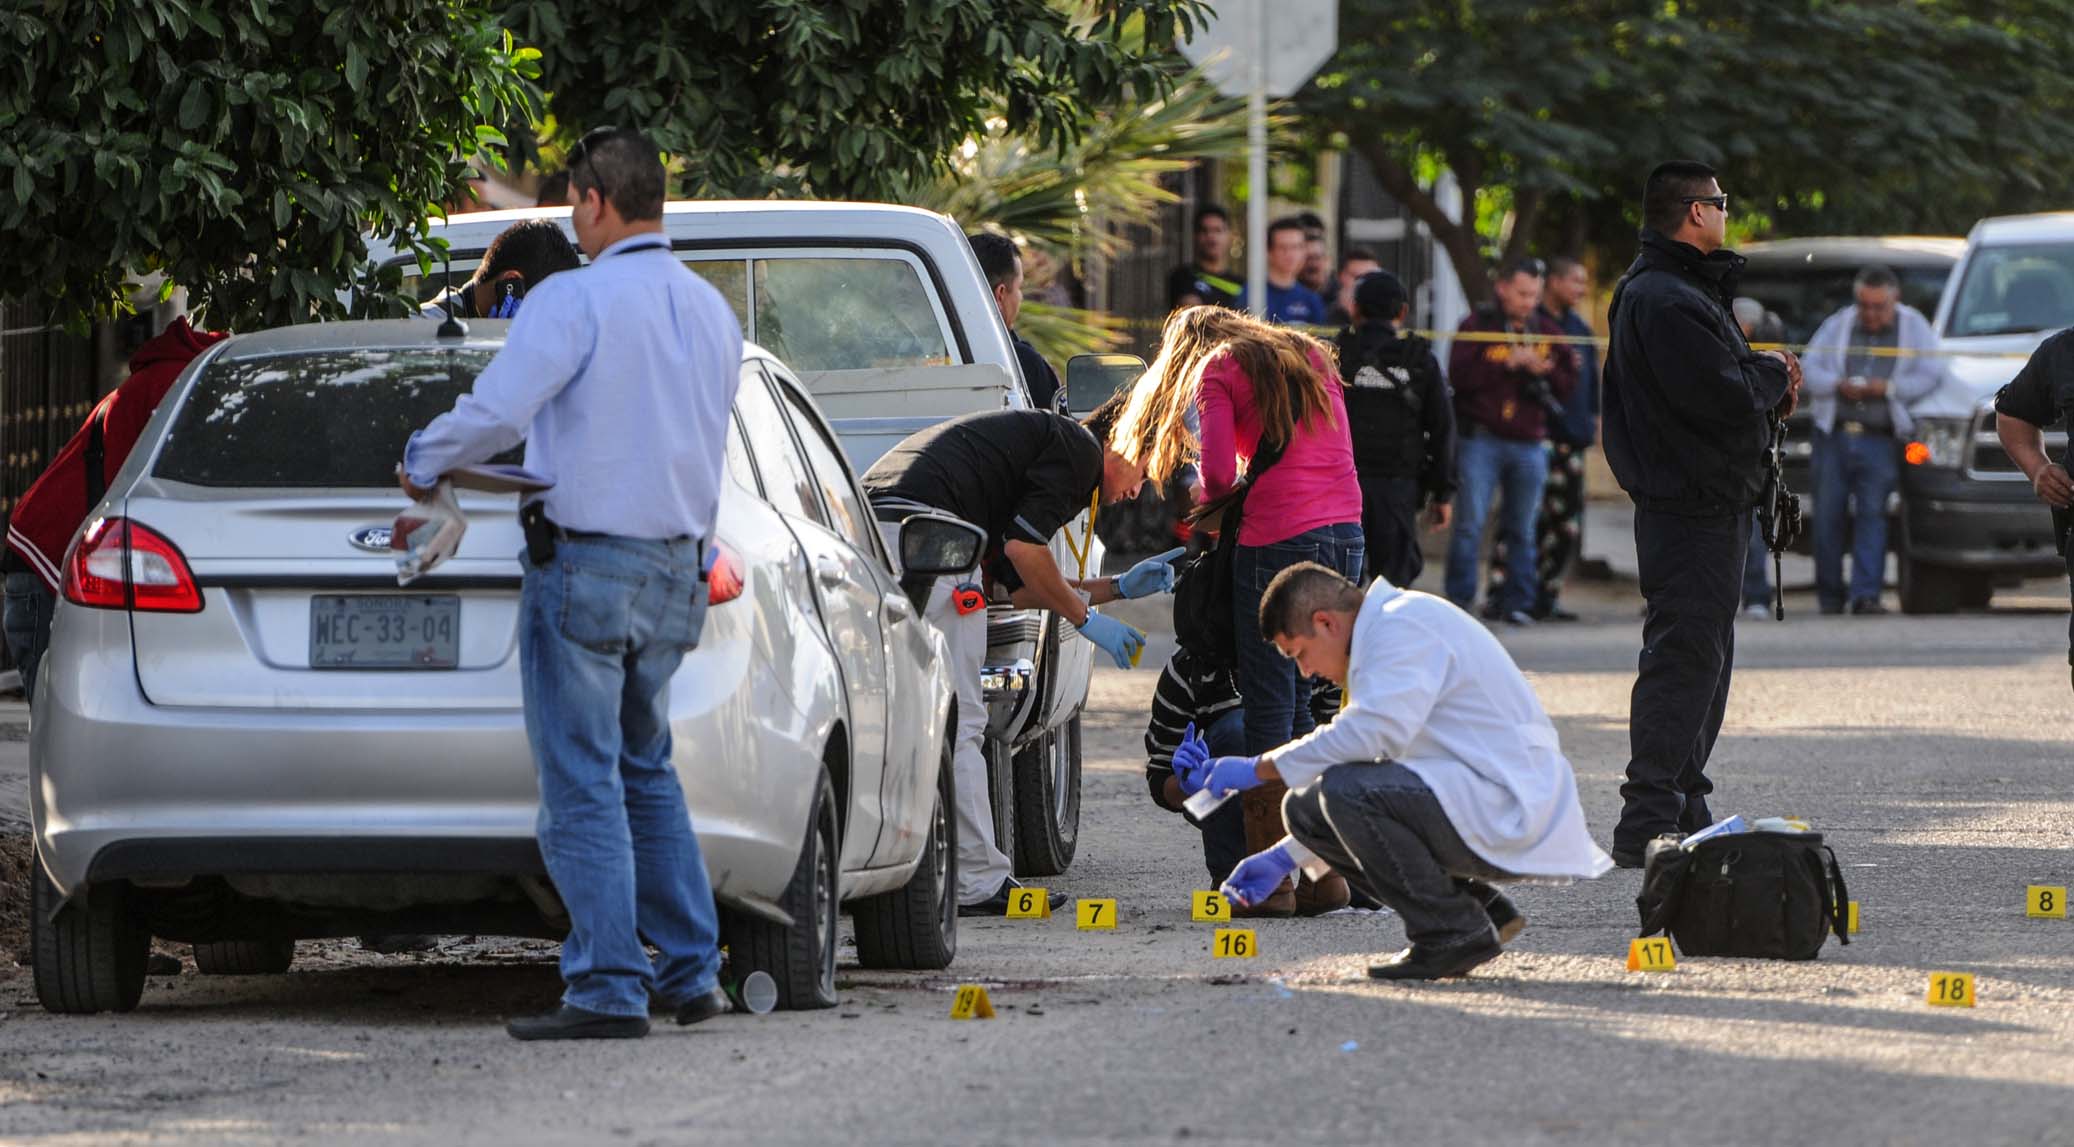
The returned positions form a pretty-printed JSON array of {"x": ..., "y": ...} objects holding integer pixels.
[
  {"x": 1506, "y": 390},
  {"x": 46, "y": 517}
]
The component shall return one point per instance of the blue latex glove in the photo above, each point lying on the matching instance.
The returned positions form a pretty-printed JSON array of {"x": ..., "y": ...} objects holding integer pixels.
[
  {"x": 1232, "y": 774},
  {"x": 1257, "y": 876},
  {"x": 1192, "y": 762},
  {"x": 1153, "y": 575},
  {"x": 1118, "y": 640}
]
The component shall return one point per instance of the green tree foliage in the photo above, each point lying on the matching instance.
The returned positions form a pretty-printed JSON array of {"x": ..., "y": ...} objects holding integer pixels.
[
  {"x": 841, "y": 98},
  {"x": 242, "y": 149},
  {"x": 1882, "y": 116}
]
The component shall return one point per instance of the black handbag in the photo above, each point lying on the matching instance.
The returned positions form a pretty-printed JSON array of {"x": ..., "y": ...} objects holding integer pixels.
[
  {"x": 1767, "y": 895},
  {"x": 1207, "y": 586}
]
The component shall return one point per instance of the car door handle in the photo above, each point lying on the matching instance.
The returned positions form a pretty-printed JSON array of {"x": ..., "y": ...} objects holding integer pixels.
[
  {"x": 898, "y": 608},
  {"x": 829, "y": 571}
]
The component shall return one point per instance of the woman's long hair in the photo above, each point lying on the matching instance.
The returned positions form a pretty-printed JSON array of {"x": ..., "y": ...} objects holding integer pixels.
[{"x": 1288, "y": 388}]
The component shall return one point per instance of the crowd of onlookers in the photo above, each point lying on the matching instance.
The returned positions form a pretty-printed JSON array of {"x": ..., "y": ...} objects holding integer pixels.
[{"x": 1503, "y": 432}]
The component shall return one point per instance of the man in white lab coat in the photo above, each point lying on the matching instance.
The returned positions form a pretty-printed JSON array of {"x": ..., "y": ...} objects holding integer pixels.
[{"x": 1441, "y": 774}]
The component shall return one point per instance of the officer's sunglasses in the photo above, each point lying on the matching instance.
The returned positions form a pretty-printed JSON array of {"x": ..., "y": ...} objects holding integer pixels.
[
  {"x": 581, "y": 155},
  {"x": 1720, "y": 202}
]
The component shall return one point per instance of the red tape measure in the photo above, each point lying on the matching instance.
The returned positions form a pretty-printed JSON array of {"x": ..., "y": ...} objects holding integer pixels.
[{"x": 968, "y": 598}]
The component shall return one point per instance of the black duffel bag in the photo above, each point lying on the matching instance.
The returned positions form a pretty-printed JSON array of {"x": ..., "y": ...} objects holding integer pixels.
[
  {"x": 1768, "y": 895},
  {"x": 1206, "y": 593}
]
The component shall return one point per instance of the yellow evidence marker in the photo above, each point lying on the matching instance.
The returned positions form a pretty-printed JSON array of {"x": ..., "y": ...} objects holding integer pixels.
[
  {"x": 1098, "y": 915},
  {"x": 971, "y": 1003},
  {"x": 1234, "y": 943},
  {"x": 1851, "y": 920},
  {"x": 2047, "y": 900},
  {"x": 1029, "y": 904},
  {"x": 1651, "y": 955},
  {"x": 1951, "y": 990},
  {"x": 1209, "y": 908}
]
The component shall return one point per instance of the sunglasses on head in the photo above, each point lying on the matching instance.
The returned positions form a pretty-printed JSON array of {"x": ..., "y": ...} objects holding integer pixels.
[{"x": 581, "y": 155}]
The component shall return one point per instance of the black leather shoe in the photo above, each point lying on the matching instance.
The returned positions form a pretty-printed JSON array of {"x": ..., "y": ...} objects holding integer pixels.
[
  {"x": 698, "y": 1009},
  {"x": 1625, "y": 857},
  {"x": 1416, "y": 963},
  {"x": 567, "y": 1022},
  {"x": 1867, "y": 607},
  {"x": 1505, "y": 917},
  {"x": 997, "y": 904}
]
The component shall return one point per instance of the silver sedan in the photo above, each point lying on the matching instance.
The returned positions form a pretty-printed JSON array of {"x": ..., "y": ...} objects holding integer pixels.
[{"x": 246, "y": 734}]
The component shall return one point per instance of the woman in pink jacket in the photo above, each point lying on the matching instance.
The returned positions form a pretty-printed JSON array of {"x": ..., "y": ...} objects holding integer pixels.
[{"x": 1258, "y": 390}]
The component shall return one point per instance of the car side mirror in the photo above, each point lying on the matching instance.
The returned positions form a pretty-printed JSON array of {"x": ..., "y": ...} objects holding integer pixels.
[
  {"x": 1092, "y": 378},
  {"x": 933, "y": 546}
]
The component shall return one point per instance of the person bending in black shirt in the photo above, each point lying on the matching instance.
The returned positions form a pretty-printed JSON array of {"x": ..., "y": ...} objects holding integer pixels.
[{"x": 1022, "y": 476}]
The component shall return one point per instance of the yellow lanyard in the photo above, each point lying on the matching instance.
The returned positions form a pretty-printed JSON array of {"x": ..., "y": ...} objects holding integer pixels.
[{"x": 1080, "y": 552}]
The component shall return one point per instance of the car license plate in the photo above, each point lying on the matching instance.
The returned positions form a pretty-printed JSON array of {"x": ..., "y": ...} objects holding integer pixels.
[{"x": 385, "y": 631}]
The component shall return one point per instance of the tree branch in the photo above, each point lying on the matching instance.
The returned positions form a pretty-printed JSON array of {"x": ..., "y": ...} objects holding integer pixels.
[
  {"x": 1527, "y": 204},
  {"x": 1458, "y": 239}
]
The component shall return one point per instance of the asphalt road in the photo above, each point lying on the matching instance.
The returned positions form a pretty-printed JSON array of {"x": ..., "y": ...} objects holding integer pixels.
[{"x": 1932, "y": 751}]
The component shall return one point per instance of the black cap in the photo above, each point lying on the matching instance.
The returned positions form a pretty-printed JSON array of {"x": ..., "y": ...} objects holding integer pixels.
[{"x": 1379, "y": 295}]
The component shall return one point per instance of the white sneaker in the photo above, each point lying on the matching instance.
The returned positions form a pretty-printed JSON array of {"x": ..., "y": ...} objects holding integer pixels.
[{"x": 1759, "y": 612}]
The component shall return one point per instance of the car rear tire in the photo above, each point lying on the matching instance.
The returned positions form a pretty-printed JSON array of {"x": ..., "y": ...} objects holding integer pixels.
[
  {"x": 1047, "y": 802},
  {"x": 90, "y": 957},
  {"x": 1927, "y": 588},
  {"x": 244, "y": 957},
  {"x": 916, "y": 926},
  {"x": 801, "y": 958}
]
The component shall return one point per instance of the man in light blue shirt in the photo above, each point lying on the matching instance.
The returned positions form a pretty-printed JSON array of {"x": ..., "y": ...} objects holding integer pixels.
[{"x": 619, "y": 378}]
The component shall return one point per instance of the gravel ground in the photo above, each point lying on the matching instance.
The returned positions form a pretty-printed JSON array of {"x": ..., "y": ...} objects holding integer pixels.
[{"x": 1932, "y": 751}]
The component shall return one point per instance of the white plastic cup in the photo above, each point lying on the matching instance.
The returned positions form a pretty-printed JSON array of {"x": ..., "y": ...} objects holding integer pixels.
[{"x": 757, "y": 994}]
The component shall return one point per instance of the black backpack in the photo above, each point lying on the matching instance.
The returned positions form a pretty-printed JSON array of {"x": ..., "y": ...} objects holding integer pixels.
[
  {"x": 1767, "y": 895},
  {"x": 1205, "y": 591}
]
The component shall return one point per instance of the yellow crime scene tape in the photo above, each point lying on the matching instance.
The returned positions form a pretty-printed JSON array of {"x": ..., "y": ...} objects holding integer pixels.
[{"x": 1601, "y": 342}]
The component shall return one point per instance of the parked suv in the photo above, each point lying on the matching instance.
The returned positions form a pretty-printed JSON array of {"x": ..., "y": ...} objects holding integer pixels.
[{"x": 1969, "y": 519}]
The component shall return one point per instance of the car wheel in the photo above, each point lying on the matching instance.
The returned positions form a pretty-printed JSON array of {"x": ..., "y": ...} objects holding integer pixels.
[
  {"x": 801, "y": 958},
  {"x": 1001, "y": 795},
  {"x": 244, "y": 957},
  {"x": 1927, "y": 588},
  {"x": 89, "y": 957},
  {"x": 916, "y": 926},
  {"x": 1047, "y": 802}
]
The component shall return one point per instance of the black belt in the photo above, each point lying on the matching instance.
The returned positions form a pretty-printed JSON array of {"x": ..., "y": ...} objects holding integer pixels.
[{"x": 542, "y": 532}]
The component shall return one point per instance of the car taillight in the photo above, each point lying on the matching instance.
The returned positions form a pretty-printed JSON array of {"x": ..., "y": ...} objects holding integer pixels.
[
  {"x": 723, "y": 576},
  {"x": 120, "y": 564}
]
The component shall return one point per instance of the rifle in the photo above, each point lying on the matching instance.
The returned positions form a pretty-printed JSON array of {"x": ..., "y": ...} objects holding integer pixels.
[{"x": 1778, "y": 512}]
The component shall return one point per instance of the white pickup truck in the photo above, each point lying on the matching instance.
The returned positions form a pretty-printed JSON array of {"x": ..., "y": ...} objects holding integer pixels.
[{"x": 885, "y": 315}]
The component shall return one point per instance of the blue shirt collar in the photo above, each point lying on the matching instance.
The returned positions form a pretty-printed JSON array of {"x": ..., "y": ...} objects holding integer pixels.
[{"x": 644, "y": 239}]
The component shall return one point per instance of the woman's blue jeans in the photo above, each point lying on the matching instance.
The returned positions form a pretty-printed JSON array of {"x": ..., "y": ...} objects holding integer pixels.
[{"x": 1276, "y": 697}]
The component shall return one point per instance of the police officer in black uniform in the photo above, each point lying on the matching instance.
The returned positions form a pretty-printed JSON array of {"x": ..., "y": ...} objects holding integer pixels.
[
  {"x": 2040, "y": 395},
  {"x": 1688, "y": 419},
  {"x": 1403, "y": 428}
]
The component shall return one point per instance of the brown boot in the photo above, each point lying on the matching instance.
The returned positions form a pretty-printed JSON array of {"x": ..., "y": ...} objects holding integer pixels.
[
  {"x": 1317, "y": 897},
  {"x": 1263, "y": 813}
]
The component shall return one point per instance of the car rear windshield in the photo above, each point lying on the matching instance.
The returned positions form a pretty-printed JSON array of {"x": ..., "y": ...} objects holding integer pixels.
[{"x": 327, "y": 418}]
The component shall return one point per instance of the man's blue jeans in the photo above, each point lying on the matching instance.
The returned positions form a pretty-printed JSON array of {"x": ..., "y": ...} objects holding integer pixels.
[
  {"x": 1224, "y": 831},
  {"x": 602, "y": 629},
  {"x": 1488, "y": 464},
  {"x": 1276, "y": 697},
  {"x": 1853, "y": 475}
]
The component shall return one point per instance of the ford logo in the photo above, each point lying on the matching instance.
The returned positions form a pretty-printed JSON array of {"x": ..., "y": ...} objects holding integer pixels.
[{"x": 374, "y": 538}]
